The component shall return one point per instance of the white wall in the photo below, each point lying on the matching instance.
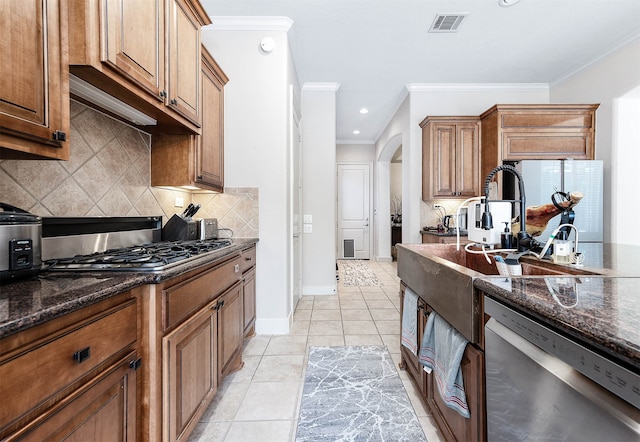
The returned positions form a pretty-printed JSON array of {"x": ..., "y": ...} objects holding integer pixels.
[
  {"x": 605, "y": 82},
  {"x": 355, "y": 153},
  {"x": 256, "y": 155},
  {"x": 436, "y": 99},
  {"x": 319, "y": 188}
]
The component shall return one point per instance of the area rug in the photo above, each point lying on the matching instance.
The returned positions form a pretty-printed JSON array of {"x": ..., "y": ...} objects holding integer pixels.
[
  {"x": 355, "y": 272},
  {"x": 354, "y": 394}
]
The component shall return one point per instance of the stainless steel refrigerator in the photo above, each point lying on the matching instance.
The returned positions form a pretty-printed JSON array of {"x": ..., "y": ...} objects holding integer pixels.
[{"x": 544, "y": 177}]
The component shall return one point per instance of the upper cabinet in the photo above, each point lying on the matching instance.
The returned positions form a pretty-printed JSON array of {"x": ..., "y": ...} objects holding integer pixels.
[
  {"x": 195, "y": 160},
  {"x": 513, "y": 132},
  {"x": 34, "y": 80},
  {"x": 145, "y": 53},
  {"x": 450, "y": 157}
]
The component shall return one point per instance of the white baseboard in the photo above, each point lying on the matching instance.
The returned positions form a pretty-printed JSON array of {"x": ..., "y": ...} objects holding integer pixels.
[
  {"x": 280, "y": 326},
  {"x": 319, "y": 290},
  {"x": 384, "y": 258}
]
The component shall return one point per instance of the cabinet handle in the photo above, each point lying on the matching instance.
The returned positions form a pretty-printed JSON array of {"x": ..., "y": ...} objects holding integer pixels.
[
  {"x": 248, "y": 258},
  {"x": 174, "y": 101},
  {"x": 135, "y": 364},
  {"x": 60, "y": 136},
  {"x": 82, "y": 355},
  {"x": 163, "y": 94},
  {"x": 199, "y": 177}
]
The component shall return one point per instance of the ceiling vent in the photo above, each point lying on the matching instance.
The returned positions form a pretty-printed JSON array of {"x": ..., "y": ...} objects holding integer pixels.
[{"x": 447, "y": 22}]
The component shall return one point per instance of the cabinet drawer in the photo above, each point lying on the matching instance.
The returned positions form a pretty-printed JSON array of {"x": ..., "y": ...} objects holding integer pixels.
[
  {"x": 248, "y": 259},
  {"x": 32, "y": 376},
  {"x": 188, "y": 296},
  {"x": 547, "y": 145}
]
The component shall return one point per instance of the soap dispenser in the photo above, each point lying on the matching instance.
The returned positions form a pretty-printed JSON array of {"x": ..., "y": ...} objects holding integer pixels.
[{"x": 506, "y": 238}]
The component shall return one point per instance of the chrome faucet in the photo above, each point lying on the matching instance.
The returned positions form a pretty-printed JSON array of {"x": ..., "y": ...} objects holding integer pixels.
[{"x": 524, "y": 239}]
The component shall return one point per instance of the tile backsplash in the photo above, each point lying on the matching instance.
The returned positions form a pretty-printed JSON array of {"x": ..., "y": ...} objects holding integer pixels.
[{"x": 109, "y": 174}]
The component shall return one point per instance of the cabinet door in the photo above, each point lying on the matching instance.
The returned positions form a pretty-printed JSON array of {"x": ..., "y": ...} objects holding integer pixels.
[
  {"x": 467, "y": 159},
  {"x": 105, "y": 411},
  {"x": 249, "y": 303},
  {"x": 34, "y": 79},
  {"x": 210, "y": 145},
  {"x": 190, "y": 372},
  {"x": 450, "y": 422},
  {"x": 183, "y": 37},
  {"x": 444, "y": 160},
  {"x": 230, "y": 331},
  {"x": 134, "y": 42}
]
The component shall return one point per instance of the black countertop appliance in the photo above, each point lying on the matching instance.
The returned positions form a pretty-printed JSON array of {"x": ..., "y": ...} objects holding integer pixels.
[{"x": 20, "y": 237}]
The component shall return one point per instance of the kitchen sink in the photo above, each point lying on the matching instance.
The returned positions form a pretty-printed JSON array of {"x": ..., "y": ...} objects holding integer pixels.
[{"x": 443, "y": 277}]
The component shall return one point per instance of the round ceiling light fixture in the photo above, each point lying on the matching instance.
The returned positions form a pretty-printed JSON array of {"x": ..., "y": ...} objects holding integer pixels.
[
  {"x": 356, "y": 132},
  {"x": 364, "y": 110},
  {"x": 507, "y": 3}
]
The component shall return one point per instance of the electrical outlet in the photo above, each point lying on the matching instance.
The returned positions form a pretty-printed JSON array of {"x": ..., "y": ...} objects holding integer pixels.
[{"x": 179, "y": 202}]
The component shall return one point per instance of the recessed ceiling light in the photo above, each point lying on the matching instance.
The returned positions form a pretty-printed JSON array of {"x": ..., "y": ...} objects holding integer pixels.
[
  {"x": 505, "y": 3},
  {"x": 356, "y": 132},
  {"x": 364, "y": 110}
]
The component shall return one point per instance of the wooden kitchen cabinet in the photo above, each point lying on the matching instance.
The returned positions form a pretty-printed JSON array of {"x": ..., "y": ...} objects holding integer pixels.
[
  {"x": 409, "y": 361},
  {"x": 74, "y": 375},
  {"x": 195, "y": 160},
  {"x": 145, "y": 53},
  {"x": 230, "y": 331},
  {"x": 452, "y": 425},
  {"x": 513, "y": 132},
  {"x": 450, "y": 157},
  {"x": 428, "y": 238},
  {"x": 248, "y": 267},
  {"x": 191, "y": 371},
  {"x": 34, "y": 80}
]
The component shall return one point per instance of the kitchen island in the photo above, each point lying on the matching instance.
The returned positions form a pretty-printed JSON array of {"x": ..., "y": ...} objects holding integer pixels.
[{"x": 594, "y": 307}]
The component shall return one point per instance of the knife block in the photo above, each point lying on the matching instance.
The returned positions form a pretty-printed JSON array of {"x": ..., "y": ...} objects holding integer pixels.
[{"x": 180, "y": 229}]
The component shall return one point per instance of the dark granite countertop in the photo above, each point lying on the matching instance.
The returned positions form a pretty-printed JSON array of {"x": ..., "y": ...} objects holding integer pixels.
[
  {"x": 463, "y": 233},
  {"x": 602, "y": 312},
  {"x": 32, "y": 301}
]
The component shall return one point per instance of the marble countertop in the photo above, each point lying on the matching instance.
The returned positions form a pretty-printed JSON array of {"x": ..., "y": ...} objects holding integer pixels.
[
  {"x": 463, "y": 233},
  {"x": 29, "y": 302},
  {"x": 602, "y": 312}
]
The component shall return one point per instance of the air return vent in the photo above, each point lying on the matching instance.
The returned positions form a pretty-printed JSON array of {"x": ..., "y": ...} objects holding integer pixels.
[
  {"x": 349, "y": 248},
  {"x": 447, "y": 22}
]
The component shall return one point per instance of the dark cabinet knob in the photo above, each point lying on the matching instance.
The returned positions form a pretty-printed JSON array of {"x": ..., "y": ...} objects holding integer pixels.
[
  {"x": 60, "y": 136},
  {"x": 174, "y": 101},
  {"x": 82, "y": 355},
  {"x": 163, "y": 94}
]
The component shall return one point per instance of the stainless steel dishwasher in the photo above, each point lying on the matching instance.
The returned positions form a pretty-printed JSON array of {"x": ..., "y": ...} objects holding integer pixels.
[{"x": 534, "y": 392}]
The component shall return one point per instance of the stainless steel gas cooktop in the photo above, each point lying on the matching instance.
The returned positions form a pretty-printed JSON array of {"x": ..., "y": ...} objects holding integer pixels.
[{"x": 153, "y": 257}]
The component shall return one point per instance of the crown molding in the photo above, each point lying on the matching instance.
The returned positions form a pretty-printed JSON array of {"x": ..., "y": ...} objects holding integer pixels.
[
  {"x": 363, "y": 142},
  {"x": 476, "y": 87},
  {"x": 591, "y": 63},
  {"x": 249, "y": 23},
  {"x": 320, "y": 87}
]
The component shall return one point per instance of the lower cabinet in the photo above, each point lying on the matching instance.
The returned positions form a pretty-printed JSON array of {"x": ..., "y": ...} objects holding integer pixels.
[
  {"x": 450, "y": 422},
  {"x": 249, "y": 303},
  {"x": 105, "y": 411},
  {"x": 230, "y": 331},
  {"x": 74, "y": 377},
  {"x": 191, "y": 370},
  {"x": 452, "y": 425}
]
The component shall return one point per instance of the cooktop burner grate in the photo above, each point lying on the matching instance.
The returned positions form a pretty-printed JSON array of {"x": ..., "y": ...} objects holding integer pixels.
[{"x": 146, "y": 257}]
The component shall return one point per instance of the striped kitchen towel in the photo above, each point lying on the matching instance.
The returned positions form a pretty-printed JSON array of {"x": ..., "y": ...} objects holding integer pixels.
[
  {"x": 410, "y": 321},
  {"x": 441, "y": 352}
]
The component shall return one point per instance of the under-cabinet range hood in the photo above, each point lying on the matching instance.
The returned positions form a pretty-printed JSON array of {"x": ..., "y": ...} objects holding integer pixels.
[{"x": 92, "y": 94}]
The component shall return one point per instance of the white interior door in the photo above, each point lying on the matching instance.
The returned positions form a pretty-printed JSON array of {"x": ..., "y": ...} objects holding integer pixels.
[
  {"x": 354, "y": 211},
  {"x": 296, "y": 187}
]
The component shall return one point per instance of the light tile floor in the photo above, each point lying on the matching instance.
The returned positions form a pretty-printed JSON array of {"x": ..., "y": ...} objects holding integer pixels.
[{"x": 261, "y": 401}]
